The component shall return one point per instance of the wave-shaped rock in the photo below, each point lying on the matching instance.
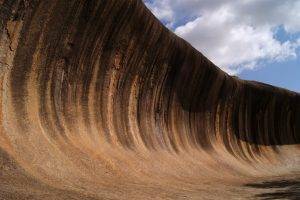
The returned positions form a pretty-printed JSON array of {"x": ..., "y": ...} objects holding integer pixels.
[{"x": 100, "y": 101}]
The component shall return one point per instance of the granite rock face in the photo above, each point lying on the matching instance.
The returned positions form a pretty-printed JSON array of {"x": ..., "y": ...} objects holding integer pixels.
[{"x": 100, "y": 101}]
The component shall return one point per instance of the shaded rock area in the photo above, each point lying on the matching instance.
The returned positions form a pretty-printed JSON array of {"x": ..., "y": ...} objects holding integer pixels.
[{"x": 278, "y": 189}]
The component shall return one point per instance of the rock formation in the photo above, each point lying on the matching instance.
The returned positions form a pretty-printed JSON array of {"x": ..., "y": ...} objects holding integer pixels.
[{"x": 100, "y": 101}]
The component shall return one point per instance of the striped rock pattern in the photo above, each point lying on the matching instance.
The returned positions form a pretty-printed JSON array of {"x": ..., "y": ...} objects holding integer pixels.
[{"x": 100, "y": 101}]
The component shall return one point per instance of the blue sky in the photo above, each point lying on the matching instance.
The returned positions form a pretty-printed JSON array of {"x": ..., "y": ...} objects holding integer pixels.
[
  {"x": 284, "y": 74},
  {"x": 253, "y": 39}
]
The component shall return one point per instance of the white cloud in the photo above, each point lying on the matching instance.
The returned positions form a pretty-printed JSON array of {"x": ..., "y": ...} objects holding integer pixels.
[{"x": 235, "y": 35}]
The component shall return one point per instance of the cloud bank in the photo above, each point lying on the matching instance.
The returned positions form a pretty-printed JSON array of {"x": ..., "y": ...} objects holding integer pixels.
[{"x": 235, "y": 35}]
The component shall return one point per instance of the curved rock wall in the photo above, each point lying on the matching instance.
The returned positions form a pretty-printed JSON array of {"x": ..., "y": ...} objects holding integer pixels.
[{"x": 99, "y": 94}]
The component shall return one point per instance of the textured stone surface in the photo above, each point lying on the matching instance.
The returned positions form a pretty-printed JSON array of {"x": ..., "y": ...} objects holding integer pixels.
[{"x": 100, "y": 101}]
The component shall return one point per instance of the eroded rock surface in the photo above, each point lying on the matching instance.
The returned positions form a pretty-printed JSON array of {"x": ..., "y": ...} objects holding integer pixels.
[{"x": 100, "y": 101}]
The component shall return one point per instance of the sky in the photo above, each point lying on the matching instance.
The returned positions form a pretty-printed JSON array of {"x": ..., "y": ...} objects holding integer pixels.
[{"x": 252, "y": 39}]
